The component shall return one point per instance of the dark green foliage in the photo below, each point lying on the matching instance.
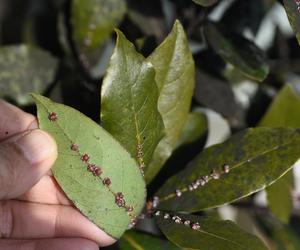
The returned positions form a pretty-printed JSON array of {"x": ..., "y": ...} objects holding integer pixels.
[{"x": 165, "y": 78}]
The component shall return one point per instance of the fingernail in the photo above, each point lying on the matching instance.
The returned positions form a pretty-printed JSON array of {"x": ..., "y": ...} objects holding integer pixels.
[{"x": 37, "y": 146}]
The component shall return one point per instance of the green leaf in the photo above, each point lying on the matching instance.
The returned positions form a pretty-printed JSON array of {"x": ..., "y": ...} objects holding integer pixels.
[
  {"x": 141, "y": 241},
  {"x": 280, "y": 199},
  {"x": 205, "y": 2},
  {"x": 25, "y": 69},
  {"x": 93, "y": 21},
  {"x": 94, "y": 199},
  {"x": 283, "y": 237},
  {"x": 175, "y": 78},
  {"x": 292, "y": 10},
  {"x": 283, "y": 112},
  {"x": 213, "y": 234},
  {"x": 256, "y": 158},
  {"x": 194, "y": 128},
  {"x": 238, "y": 51},
  {"x": 129, "y": 101}
]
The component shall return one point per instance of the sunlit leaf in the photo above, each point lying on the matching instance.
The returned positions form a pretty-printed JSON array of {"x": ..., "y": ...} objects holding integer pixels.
[
  {"x": 175, "y": 78},
  {"x": 129, "y": 101}
]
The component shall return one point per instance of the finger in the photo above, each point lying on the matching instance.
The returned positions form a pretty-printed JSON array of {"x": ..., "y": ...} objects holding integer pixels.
[
  {"x": 46, "y": 191},
  {"x": 13, "y": 120},
  {"x": 24, "y": 159},
  {"x": 49, "y": 244},
  {"x": 50, "y": 221}
]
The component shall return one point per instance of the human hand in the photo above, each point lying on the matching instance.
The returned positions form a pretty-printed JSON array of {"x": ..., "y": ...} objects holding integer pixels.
[{"x": 34, "y": 212}]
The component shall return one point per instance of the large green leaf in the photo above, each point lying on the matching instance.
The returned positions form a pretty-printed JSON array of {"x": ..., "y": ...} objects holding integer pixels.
[
  {"x": 238, "y": 51},
  {"x": 25, "y": 69},
  {"x": 78, "y": 137},
  {"x": 132, "y": 240},
  {"x": 175, "y": 78},
  {"x": 292, "y": 8},
  {"x": 93, "y": 21},
  {"x": 129, "y": 101},
  {"x": 213, "y": 234},
  {"x": 256, "y": 158},
  {"x": 205, "y": 2},
  {"x": 283, "y": 112}
]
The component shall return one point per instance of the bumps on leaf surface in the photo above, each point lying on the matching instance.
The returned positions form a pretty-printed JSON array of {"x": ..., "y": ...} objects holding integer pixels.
[{"x": 83, "y": 143}]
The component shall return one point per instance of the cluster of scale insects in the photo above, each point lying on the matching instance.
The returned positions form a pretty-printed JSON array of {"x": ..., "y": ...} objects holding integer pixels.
[
  {"x": 199, "y": 182},
  {"x": 153, "y": 204},
  {"x": 97, "y": 172}
]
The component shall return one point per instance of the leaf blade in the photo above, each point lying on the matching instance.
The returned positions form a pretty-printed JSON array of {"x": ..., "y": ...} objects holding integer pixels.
[
  {"x": 93, "y": 21},
  {"x": 175, "y": 78},
  {"x": 283, "y": 112},
  {"x": 238, "y": 51},
  {"x": 81, "y": 186},
  {"x": 257, "y": 157},
  {"x": 213, "y": 234},
  {"x": 292, "y": 11},
  {"x": 129, "y": 101}
]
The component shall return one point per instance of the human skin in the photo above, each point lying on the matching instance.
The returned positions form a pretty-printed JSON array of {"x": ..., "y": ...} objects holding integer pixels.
[{"x": 34, "y": 212}]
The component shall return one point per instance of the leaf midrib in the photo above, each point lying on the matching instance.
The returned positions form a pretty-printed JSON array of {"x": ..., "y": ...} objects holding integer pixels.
[{"x": 170, "y": 196}]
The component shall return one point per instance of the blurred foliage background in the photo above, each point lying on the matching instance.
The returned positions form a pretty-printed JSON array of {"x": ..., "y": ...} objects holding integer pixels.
[{"x": 247, "y": 75}]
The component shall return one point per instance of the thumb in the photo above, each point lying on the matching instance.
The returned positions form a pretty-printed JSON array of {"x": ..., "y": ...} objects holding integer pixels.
[{"x": 24, "y": 159}]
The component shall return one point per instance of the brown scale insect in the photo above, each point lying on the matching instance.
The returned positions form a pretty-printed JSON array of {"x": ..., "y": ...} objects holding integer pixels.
[
  {"x": 120, "y": 202},
  {"x": 133, "y": 221},
  {"x": 91, "y": 168},
  {"x": 53, "y": 117},
  {"x": 106, "y": 181},
  {"x": 129, "y": 209},
  {"x": 97, "y": 171},
  {"x": 187, "y": 222},
  {"x": 74, "y": 147},
  {"x": 215, "y": 174},
  {"x": 85, "y": 157},
  {"x": 178, "y": 221}
]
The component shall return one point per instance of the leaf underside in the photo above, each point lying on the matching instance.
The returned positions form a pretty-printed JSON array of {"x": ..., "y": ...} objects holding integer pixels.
[{"x": 94, "y": 199}]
